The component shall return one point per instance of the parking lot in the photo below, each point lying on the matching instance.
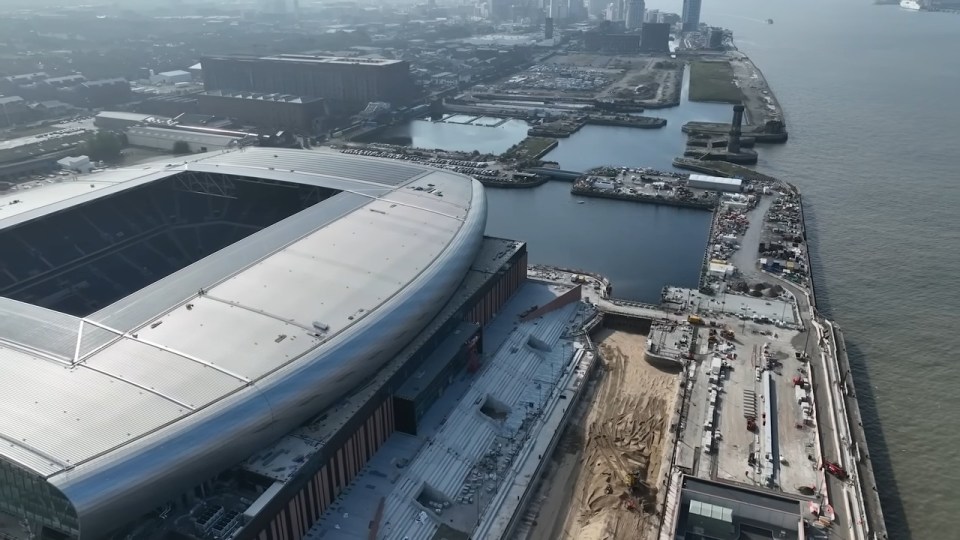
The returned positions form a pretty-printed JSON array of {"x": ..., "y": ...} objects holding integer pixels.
[{"x": 720, "y": 405}]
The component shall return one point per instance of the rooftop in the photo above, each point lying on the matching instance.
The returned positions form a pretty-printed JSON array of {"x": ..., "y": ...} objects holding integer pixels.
[
  {"x": 217, "y": 327},
  {"x": 123, "y": 115},
  {"x": 717, "y": 179},
  {"x": 253, "y": 96},
  {"x": 313, "y": 59},
  {"x": 737, "y": 511},
  {"x": 212, "y": 139},
  {"x": 488, "y": 260}
]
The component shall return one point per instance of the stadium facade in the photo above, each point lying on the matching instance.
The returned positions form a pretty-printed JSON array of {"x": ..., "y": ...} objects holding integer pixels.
[{"x": 165, "y": 323}]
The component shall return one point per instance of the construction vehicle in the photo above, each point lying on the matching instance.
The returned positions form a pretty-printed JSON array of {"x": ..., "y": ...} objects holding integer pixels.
[
  {"x": 630, "y": 477},
  {"x": 836, "y": 470}
]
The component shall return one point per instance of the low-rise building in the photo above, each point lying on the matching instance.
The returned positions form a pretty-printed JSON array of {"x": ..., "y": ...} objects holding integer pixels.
[
  {"x": 76, "y": 163},
  {"x": 120, "y": 120},
  {"x": 171, "y": 77},
  {"x": 715, "y": 183},
  {"x": 13, "y": 110},
  {"x": 166, "y": 139}
]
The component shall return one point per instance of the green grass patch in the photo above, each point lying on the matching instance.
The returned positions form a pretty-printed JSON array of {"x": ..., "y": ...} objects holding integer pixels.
[
  {"x": 713, "y": 81},
  {"x": 529, "y": 148}
]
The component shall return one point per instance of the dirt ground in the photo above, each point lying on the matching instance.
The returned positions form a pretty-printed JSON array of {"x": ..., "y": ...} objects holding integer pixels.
[
  {"x": 621, "y": 432},
  {"x": 649, "y": 79}
]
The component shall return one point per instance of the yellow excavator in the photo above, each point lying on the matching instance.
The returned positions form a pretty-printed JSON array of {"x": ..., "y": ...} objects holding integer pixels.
[{"x": 630, "y": 477}]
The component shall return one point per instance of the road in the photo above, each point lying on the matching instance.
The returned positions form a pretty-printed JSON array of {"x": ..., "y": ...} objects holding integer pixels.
[{"x": 827, "y": 393}]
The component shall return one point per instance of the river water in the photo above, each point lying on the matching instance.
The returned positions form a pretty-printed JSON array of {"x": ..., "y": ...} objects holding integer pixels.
[
  {"x": 869, "y": 94},
  {"x": 594, "y": 146},
  {"x": 460, "y": 137}
]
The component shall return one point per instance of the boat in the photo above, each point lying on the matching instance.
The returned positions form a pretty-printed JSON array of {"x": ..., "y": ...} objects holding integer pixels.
[
  {"x": 912, "y": 5},
  {"x": 581, "y": 202},
  {"x": 769, "y": 21}
]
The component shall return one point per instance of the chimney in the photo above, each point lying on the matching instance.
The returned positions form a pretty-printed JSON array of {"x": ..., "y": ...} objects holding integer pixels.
[{"x": 733, "y": 144}]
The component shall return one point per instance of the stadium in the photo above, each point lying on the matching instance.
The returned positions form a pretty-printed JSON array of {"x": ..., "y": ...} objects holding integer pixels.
[{"x": 175, "y": 326}]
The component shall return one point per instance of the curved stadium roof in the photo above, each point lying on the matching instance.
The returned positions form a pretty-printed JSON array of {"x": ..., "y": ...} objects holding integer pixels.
[{"x": 196, "y": 371}]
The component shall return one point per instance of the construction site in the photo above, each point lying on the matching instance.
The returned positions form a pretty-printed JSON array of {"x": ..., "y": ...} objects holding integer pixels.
[
  {"x": 650, "y": 82},
  {"x": 604, "y": 479}
]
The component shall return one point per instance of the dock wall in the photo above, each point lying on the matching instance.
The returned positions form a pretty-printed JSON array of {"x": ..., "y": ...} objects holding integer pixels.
[
  {"x": 627, "y": 323},
  {"x": 867, "y": 482},
  {"x": 643, "y": 198},
  {"x": 837, "y": 366},
  {"x": 538, "y": 181}
]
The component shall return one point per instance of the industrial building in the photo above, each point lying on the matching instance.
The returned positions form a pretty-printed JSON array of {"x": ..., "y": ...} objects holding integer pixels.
[
  {"x": 595, "y": 41},
  {"x": 160, "y": 138},
  {"x": 724, "y": 510},
  {"x": 268, "y": 111},
  {"x": 347, "y": 84},
  {"x": 655, "y": 38},
  {"x": 99, "y": 93},
  {"x": 171, "y": 77},
  {"x": 715, "y": 183},
  {"x": 261, "y": 311},
  {"x": 121, "y": 120},
  {"x": 690, "y": 18},
  {"x": 168, "y": 105}
]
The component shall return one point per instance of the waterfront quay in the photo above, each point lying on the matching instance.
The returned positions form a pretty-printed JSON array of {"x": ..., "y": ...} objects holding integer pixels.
[
  {"x": 645, "y": 185},
  {"x": 765, "y": 398},
  {"x": 485, "y": 169},
  {"x": 763, "y": 117}
]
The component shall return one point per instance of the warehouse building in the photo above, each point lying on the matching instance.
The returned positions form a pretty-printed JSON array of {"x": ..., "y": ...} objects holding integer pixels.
[
  {"x": 347, "y": 84},
  {"x": 121, "y": 120},
  {"x": 267, "y": 111},
  {"x": 715, "y": 183}
]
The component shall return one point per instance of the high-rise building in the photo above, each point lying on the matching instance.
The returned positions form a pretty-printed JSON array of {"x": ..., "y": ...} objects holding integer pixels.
[
  {"x": 634, "y": 16},
  {"x": 501, "y": 10},
  {"x": 554, "y": 9},
  {"x": 620, "y": 10},
  {"x": 691, "y": 15},
  {"x": 655, "y": 38},
  {"x": 598, "y": 8}
]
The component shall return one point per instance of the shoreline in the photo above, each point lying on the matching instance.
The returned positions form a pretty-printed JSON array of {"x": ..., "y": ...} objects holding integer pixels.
[{"x": 839, "y": 432}]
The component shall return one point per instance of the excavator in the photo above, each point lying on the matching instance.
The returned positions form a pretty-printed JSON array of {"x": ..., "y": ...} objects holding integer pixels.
[{"x": 632, "y": 478}]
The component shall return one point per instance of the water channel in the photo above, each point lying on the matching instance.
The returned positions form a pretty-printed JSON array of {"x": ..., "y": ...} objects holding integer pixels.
[
  {"x": 594, "y": 146},
  {"x": 457, "y": 136},
  {"x": 641, "y": 247}
]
